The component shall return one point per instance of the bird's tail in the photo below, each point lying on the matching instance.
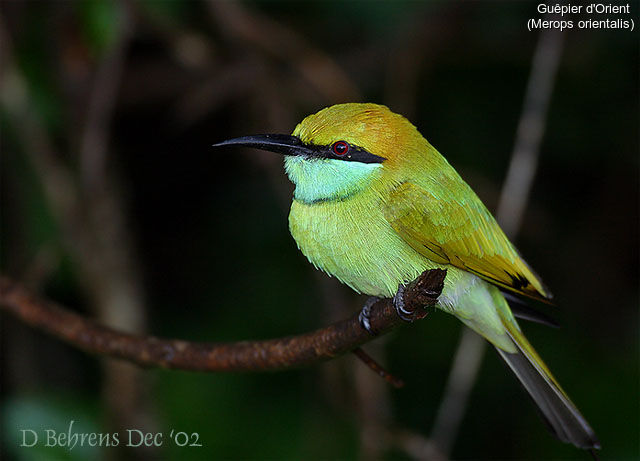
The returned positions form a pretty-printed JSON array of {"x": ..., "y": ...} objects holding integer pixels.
[{"x": 560, "y": 413}]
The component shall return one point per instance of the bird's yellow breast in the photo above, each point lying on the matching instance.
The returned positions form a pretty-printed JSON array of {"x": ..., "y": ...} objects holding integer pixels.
[{"x": 351, "y": 240}]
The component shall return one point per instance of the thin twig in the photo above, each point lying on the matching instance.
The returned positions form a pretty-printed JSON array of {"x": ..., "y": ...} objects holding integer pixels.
[
  {"x": 149, "y": 351},
  {"x": 524, "y": 160},
  {"x": 377, "y": 368},
  {"x": 513, "y": 200},
  {"x": 415, "y": 445}
]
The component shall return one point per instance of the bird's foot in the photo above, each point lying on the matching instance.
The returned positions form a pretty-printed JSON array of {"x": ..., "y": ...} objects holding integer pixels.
[
  {"x": 423, "y": 293},
  {"x": 365, "y": 315},
  {"x": 415, "y": 307},
  {"x": 398, "y": 303}
]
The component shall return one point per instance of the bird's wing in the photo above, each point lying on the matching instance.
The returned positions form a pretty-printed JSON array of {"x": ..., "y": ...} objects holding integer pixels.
[{"x": 460, "y": 231}]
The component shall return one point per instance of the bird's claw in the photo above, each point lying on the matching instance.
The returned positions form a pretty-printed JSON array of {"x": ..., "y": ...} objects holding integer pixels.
[
  {"x": 398, "y": 303},
  {"x": 365, "y": 315}
]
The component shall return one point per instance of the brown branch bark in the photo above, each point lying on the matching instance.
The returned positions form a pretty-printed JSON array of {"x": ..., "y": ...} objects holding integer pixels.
[{"x": 274, "y": 354}]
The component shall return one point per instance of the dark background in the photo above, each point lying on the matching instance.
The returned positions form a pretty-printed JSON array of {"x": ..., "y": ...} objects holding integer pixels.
[{"x": 114, "y": 204}]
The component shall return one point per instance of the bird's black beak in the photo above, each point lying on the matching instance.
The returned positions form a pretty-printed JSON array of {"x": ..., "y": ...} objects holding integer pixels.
[
  {"x": 291, "y": 145},
  {"x": 279, "y": 143}
]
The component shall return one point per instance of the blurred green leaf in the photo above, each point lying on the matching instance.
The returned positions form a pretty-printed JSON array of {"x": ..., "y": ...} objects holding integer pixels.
[
  {"x": 100, "y": 23},
  {"x": 44, "y": 413}
]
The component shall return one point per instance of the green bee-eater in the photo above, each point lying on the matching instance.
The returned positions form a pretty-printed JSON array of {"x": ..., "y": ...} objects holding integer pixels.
[{"x": 375, "y": 205}]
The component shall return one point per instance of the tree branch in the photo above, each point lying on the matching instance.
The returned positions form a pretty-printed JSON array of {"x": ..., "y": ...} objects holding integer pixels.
[{"x": 274, "y": 354}]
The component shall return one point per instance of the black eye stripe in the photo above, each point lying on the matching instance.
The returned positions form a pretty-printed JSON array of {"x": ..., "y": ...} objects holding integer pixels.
[{"x": 342, "y": 150}]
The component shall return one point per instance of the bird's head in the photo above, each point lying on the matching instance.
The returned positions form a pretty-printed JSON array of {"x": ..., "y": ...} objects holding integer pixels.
[{"x": 339, "y": 150}]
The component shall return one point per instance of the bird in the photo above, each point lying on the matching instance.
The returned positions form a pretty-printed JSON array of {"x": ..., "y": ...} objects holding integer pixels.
[{"x": 375, "y": 205}]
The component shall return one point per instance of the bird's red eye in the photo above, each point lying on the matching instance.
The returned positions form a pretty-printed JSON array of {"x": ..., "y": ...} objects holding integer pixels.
[{"x": 340, "y": 148}]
